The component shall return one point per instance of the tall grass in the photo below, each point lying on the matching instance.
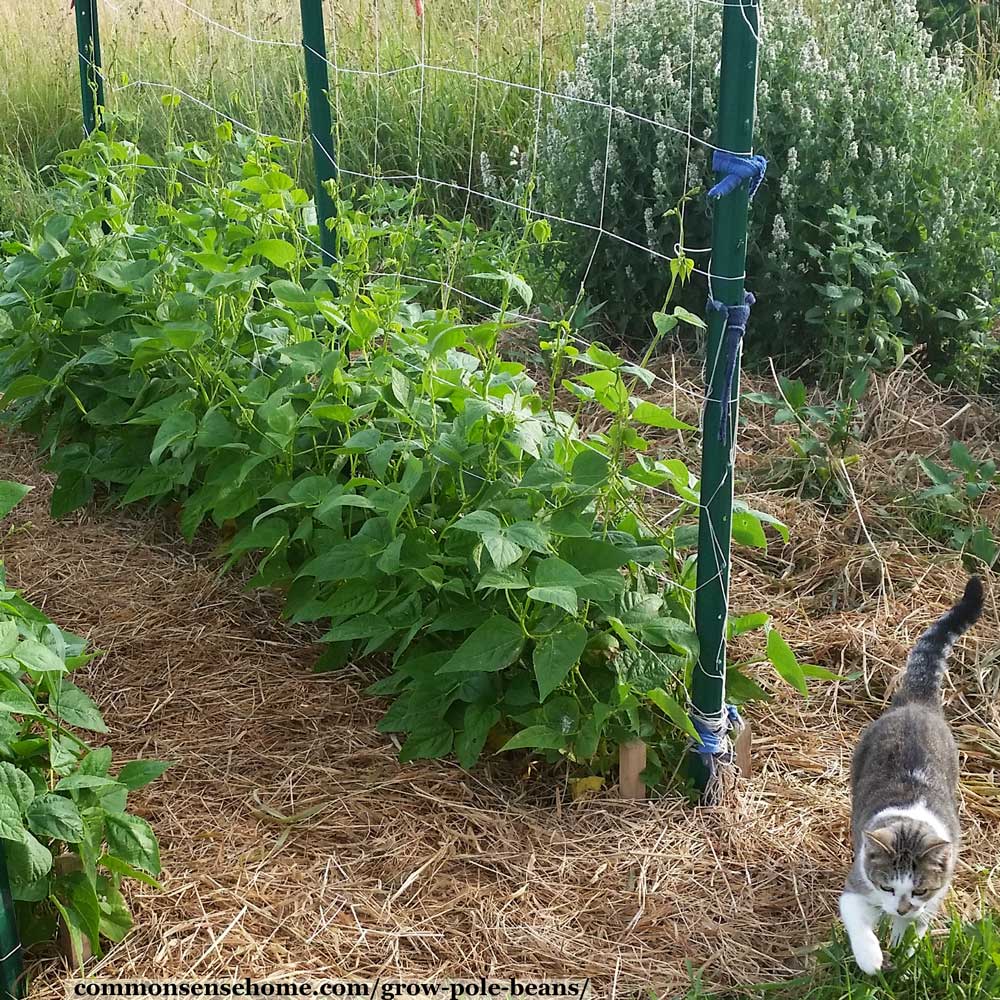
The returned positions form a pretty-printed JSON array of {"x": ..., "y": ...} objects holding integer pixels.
[{"x": 412, "y": 120}]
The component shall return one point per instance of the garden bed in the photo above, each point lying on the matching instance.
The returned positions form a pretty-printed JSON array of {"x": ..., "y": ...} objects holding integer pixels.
[{"x": 294, "y": 843}]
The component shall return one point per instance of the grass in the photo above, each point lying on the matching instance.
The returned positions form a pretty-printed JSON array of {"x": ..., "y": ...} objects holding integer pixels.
[
  {"x": 153, "y": 48},
  {"x": 961, "y": 962}
]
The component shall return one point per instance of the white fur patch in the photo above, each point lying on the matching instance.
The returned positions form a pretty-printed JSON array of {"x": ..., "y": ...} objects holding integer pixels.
[
  {"x": 917, "y": 812},
  {"x": 920, "y": 776}
]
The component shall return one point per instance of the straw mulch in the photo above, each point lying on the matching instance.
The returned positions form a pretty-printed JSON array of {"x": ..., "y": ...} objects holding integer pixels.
[{"x": 296, "y": 845}]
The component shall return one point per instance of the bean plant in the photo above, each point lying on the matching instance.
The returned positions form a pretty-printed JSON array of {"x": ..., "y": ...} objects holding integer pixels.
[
  {"x": 67, "y": 837},
  {"x": 358, "y": 435}
]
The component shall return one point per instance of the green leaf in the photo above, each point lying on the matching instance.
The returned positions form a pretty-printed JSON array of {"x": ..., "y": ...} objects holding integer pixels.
[
  {"x": 502, "y": 551},
  {"x": 784, "y": 662},
  {"x": 670, "y": 632},
  {"x": 747, "y": 623},
  {"x": 740, "y": 688},
  {"x": 763, "y": 518},
  {"x": 556, "y": 572},
  {"x": 747, "y": 530},
  {"x": 428, "y": 745},
  {"x": 892, "y": 300},
  {"x": 9, "y": 636},
  {"x": 126, "y": 870},
  {"x": 793, "y": 391},
  {"x": 175, "y": 432},
  {"x": 479, "y": 719},
  {"x": 555, "y": 656},
  {"x": 562, "y": 597},
  {"x": 962, "y": 458},
  {"x": 507, "y": 579},
  {"x": 536, "y": 738},
  {"x": 590, "y": 468},
  {"x": 479, "y": 522},
  {"x": 689, "y": 317},
  {"x": 496, "y": 644},
  {"x": 14, "y": 699},
  {"x": 74, "y": 782},
  {"x": 673, "y": 711},
  {"x": 820, "y": 673},
  {"x": 73, "y": 490},
  {"x": 28, "y": 860},
  {"x": 131, "y": 839},
  {"x": 116, "y": 921},
  {"x": 76, "y": 708},
  {"x": 529, "y": 535},
  {"x": 32, "y": 655},
  {"x": 11, "y": 824},
  {"x": 216, "y": 431},
  {"x": 18, "y": 784},
  {"x": 653, "y": 415},
  {"x": 139, "y": 773},
  {"x": 24, "y": 385},
  {"x": 11, "y": 494},
  {"x": 55, "y": 817},
  {"x": 278, "y": 252},
  {"x": 664, "y": 323},
  {"x": 154, "y": 481},
  {"x": 850, "y": 301},
  {"x": 983, "y": 545},
  {"x": 79, "y": 896},
  {"x": 97, "y": 762}
]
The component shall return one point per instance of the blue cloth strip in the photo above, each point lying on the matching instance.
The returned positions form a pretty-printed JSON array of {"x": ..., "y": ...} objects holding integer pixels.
[
  {"x": 737, "y": 169},
  {"x": 712, "y": 742},
  {"x": 737, "y": 318}
]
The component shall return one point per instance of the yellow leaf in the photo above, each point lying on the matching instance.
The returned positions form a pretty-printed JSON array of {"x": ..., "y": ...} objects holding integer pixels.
[{"x": 580, "y": 788}]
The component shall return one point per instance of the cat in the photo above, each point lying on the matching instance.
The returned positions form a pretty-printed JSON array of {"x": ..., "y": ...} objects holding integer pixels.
[{"x": 904, "y": 783}]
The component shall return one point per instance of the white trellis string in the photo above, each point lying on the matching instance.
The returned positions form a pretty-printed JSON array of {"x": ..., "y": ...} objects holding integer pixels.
[{"x": 424, "y": 67}]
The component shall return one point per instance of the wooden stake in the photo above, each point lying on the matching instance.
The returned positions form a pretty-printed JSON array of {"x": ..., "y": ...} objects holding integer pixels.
[
  {"x": 631, "y": 764},
  {"x": 741, "y": 749}
]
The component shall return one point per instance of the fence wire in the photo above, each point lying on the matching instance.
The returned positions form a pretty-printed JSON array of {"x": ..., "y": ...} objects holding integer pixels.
[{"x": 416, "y": 23}]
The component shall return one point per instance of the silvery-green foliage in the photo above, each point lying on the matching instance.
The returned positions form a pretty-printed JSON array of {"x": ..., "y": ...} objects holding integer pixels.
[{"x": 854, "y": 108}]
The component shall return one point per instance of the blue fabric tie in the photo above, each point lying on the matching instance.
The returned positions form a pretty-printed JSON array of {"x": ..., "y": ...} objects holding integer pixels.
[
  {"x": 737, "y": 318},
  {"x": 737, "y": 169},
  {"x": 713, "y": 740}
]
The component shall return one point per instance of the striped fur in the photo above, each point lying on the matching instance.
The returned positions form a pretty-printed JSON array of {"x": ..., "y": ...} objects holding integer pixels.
[{"x": 928, "y": 659}]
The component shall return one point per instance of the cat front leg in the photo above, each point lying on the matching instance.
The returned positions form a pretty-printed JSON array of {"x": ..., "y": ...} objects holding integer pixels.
[{"x": 860, "y": 919}]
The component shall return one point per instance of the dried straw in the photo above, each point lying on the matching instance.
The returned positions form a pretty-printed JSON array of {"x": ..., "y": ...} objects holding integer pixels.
[{"x": 296, "y": 845}]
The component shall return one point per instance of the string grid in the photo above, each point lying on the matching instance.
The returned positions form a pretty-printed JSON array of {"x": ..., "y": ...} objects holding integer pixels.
[{"x": 422, "y": 68}]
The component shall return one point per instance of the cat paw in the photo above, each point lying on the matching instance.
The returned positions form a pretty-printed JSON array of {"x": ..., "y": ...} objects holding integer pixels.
[{"x": 868, "y": 955}]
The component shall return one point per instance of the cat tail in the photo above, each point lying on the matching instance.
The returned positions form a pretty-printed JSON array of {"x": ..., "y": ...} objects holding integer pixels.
[{"x": 926, "y": 663}]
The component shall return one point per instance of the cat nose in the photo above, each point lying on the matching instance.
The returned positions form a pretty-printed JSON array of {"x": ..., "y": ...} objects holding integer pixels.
[{"x": 904, "y": 907}]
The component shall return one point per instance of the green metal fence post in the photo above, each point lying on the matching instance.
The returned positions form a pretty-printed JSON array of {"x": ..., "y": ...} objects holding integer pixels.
[
  {"x": 320, "y": 124},
  {"x": 11, "y": 958},
  {"x": 88, "y": 46},
  {"x": 737, "y": 99}
]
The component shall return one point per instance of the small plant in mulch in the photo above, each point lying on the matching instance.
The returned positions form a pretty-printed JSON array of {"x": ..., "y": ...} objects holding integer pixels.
[
  {"x": 951, "y": 508},
  {"x": 66, "y": 835}
]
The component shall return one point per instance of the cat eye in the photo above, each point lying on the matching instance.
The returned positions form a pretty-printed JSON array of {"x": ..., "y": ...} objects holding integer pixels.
[{"x": 886, "y": 888}]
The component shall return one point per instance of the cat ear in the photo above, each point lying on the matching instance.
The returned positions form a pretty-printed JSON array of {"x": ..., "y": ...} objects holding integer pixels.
[
  {"x": 882, "y": 840},
  {"x": 934, "y": 852}
]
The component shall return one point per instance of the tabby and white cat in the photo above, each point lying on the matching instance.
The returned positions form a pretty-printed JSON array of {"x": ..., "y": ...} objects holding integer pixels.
[{"x": 904, "y": 780}]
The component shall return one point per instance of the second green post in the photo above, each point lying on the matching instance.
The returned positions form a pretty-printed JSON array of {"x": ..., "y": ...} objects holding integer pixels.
[
  {"x": 737, "y": 103},
  {"x": 320, "y": 120},
  {"x": 88, "y": 46}
]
